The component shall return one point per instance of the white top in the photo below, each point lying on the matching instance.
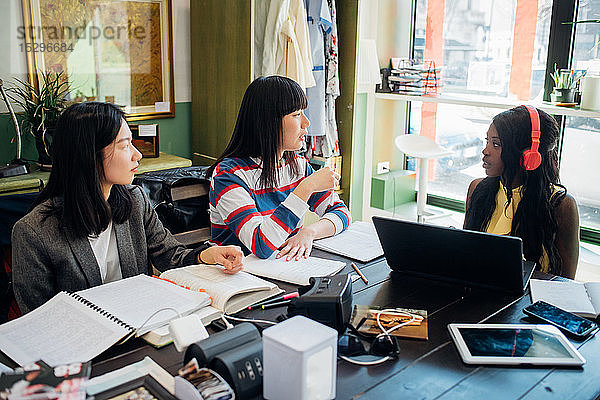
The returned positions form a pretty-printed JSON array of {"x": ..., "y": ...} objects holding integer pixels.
[
  {"x": 286, "y": 46},
  {"x": 105, "y": 249}
]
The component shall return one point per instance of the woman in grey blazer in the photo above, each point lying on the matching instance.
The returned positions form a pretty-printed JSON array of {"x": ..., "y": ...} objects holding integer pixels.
[{"x": 90, "y": 226}]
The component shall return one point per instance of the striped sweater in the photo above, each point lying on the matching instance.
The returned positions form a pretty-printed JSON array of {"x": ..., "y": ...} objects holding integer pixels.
[{"x": 261, "y": 219}]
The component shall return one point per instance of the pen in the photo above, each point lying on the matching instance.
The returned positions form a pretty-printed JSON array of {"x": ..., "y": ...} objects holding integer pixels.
[
  {"x": 364, "y": 278},
  {"x": 274, "y": 300},
  {"x": 273, "y": 305}
]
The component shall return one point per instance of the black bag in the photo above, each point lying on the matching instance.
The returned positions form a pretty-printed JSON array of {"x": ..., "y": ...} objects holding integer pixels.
[{"x": 167, "y": 187}]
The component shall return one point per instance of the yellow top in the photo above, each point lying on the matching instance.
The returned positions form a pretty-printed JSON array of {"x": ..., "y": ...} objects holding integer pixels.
[{"x": 501, "y": 220}]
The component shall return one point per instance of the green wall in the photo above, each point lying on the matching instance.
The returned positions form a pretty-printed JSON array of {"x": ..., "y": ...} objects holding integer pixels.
[{"x": 174, "y": 135}]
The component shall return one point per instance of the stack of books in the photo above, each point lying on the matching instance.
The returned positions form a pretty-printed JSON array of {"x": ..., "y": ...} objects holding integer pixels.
[{"x": 412, "y": 79}]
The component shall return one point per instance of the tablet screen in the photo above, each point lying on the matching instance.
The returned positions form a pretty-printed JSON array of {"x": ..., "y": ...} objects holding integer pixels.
[{"x": 500, "y": 342}]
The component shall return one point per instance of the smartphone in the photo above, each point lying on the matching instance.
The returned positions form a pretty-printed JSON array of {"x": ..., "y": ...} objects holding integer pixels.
[{"x": 574, "y": 325}]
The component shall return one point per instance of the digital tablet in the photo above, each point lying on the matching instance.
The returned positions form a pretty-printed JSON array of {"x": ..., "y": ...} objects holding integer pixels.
[{"x": 514, "y": 344}]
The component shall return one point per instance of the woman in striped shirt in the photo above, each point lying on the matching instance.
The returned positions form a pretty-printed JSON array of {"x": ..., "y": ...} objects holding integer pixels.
[{"x": 261, "y": 189}]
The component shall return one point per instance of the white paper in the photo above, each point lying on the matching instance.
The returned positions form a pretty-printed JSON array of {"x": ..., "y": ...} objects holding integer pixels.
[
  {"x": 147, "y": 129},
  {"x": 571, "y": 296},
  {"x": 162, "y": 106},
  {"x": 61, "y": 331},
  {"x": 359, "y": 241},
  {"x": 296, "y": 272},
  {"x": 593, "y": 290},
  {"x": 133, "y": 300}
]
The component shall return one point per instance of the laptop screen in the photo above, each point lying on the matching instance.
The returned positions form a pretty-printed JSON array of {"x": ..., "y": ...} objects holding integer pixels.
[{"x": 467, "y": 257}]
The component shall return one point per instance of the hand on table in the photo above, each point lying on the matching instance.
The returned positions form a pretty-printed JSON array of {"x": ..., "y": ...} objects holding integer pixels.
[
  {"x": 299, "y": 245},
  {"x": 230, "y": 257}
]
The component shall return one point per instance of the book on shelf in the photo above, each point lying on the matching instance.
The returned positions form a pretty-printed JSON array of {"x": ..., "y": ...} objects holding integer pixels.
[
  {"x": 582, "y": 299},
  {"x": 296, "y": 272},
  {"x": 359, "y": 242},
  {"x": 76, "y": 327},
  {"x": 364, "y": 319},
  {"x": 229, "y": 293}
]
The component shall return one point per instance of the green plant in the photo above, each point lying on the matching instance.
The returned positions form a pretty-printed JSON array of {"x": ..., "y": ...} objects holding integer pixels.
[
  {"x": 566, "y": 79},
  {"x": 41, "y": 103}
]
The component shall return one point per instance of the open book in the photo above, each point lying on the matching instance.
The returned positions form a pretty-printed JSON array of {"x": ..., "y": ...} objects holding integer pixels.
[
  {"x": 230, "y": 293},
  {"x": 579, "y": 298},
  {"x": 359, "y": 241},
  {"x": 76, "y": 327},
  {"x": 296, "y": 272}
]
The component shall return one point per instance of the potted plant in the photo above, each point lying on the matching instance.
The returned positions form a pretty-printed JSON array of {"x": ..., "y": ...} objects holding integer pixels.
[
  {"x": 41, "y": 104},
  {"x": 565, "y": 83}
]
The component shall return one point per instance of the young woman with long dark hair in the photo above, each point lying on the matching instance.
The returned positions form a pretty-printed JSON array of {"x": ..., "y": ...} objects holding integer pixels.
[
  {"x": 261, "y": 188},
  {"x": 521, "y": 198},
  {"x": 89, "y": 226}
]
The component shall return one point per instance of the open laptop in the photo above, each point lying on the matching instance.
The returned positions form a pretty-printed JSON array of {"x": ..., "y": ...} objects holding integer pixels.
[{"x": 470, "y": 258}]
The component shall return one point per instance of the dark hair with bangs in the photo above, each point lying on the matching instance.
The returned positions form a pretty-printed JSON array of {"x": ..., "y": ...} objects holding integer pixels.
[
  {"x": 259, "y": 125},
  {"x": 535, "y": 219},
  {"x": 82, "y": 132}
]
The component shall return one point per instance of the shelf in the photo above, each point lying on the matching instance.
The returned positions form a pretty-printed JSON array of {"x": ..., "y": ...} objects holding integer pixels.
[
  {"x": 491, "y": 102},
  {"x": 36, "y": 180}
]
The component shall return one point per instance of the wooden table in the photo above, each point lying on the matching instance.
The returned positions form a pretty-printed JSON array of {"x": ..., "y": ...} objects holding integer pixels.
[
  {"x": 36, "y": 180},
  {"x": 432, "y": 368}
]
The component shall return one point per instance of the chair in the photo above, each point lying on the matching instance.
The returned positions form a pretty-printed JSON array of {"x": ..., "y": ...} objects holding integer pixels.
[{"x": 423, "y": 148}]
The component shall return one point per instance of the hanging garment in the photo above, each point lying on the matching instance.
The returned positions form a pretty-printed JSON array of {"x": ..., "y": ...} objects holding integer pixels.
[
  {"x": 319, "y": 24},
  {"x": 332, "y": 86},
  {"x": 286, "y": 49}
]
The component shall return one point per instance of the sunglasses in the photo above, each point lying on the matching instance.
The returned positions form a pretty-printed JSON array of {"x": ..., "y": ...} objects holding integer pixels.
[{"x": 351, "y": 348}]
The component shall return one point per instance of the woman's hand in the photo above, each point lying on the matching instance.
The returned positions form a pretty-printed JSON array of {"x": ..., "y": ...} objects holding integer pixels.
[
  {"x": 319, "y": 181},
  {"x": 230, "y": 257},
  {"x": 299, "y": 245}
]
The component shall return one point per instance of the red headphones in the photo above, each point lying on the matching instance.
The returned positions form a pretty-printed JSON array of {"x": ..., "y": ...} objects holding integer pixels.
[{"x": 532, "y": 157}]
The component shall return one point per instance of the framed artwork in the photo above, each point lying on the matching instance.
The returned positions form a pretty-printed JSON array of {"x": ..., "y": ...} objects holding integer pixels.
[
  {"x": 119, "y": 51},
  {"x": 145, "y": 139},
  {"x": 142, "y": 388}
]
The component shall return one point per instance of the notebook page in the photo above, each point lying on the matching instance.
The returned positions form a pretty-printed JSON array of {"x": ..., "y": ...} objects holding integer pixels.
[
  {"x": 133, "y": 300},
  {"x": 296, "y": 272},
  {"x": 220, "y": 286},
  {"x": 61, "y": 331},
  {"x": 359, "y": 242},
  {"x": 593, "y": 289},
  {"x": 570, "y": 296}
]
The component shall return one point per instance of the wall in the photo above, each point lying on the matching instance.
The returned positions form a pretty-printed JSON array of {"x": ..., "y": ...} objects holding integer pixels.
[
  {"x": 174, "y": 133},
  {"x": 389, "y": 23}
]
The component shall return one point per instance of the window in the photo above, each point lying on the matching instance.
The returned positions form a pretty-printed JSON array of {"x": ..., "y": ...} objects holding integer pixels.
[
  {"x": 486, "y": 49},
  {"x": 582, "y": 135}
]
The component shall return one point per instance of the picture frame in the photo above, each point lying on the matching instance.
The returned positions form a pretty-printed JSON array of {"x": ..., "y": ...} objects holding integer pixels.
[
  {"x": 144, "y": 387},
  {"x": 145, "y": 143},
  {"x": 119, "y": 51}
]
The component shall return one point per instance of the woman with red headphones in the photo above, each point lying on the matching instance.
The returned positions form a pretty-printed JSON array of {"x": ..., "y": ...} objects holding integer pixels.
[{"x": 522, "y": 195}]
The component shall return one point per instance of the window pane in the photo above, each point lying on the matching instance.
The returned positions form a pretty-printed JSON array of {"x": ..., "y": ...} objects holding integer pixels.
[
  {"x": 578, "y": 162},
  {"x": 478, "y": 45},
  {"x": 582, "y": 135},
  {"x": 462, "y": 130}
]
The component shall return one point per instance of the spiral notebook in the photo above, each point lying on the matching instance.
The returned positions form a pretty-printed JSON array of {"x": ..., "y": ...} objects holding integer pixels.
[{"x": 76, "y": 327}]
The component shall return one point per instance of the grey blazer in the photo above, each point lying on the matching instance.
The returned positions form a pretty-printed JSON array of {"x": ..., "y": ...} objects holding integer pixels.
[{"x": 48, "y": 258}]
